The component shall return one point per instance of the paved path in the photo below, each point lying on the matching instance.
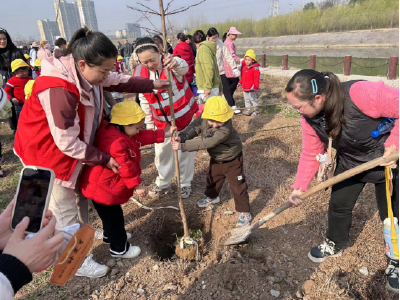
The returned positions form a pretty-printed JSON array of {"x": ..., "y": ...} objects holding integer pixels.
[{"x": 289, "y": 73}]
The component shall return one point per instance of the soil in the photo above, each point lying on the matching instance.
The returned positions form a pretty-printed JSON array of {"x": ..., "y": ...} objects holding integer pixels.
[{"x": 273, "y": 264}]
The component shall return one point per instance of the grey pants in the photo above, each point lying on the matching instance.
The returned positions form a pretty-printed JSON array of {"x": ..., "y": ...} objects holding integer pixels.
[{"x": 250, "y": 99}]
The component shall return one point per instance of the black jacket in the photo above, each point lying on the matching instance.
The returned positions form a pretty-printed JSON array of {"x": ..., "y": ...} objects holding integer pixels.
[
  {"x": 354, "y": 144},
  {"x": 6, "y": 57},
  {"x": 128, "y": 49}
]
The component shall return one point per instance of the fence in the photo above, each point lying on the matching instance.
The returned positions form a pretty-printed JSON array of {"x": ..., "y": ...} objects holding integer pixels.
[{"x": 347, "y": 64}]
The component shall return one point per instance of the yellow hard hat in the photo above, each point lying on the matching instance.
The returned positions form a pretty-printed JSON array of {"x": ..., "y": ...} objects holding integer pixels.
[
  {"x": 217, "y": 109},
  {"x": 38, "y": 62},
  {"x": 18, "y": 63},
  {"x": 28, "y": 89},
  {"x": 250, "y": 53},
  {"x": 126, "y": 113},
  {"x": 27, "y": 56},
  {"x": 120, "y": 57}
]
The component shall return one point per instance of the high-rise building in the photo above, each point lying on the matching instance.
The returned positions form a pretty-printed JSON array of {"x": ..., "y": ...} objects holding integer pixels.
[
  {"x": 48, "y": 30},
  {"x": 67, "y": 18},
  {"x": 87, "y": 14},
  {"x": 133, "y": 30}
]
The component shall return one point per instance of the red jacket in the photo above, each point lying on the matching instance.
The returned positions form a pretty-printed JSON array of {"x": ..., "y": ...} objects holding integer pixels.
[
  {"x": 103, "y": 185},
  {"x": 15, "y": 88},
  {"x": 184, "y": 51},
  {"x": 250, "y": 80}
]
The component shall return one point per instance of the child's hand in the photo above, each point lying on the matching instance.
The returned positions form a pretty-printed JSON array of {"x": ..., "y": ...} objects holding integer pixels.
[
  {"x": 176, "y": 145},
  {"x": 141, "y": 190},
  {"x": 172, "y": 130},
  {"x": 15, "y": 100},
  {"x": 177, "y": 138}
]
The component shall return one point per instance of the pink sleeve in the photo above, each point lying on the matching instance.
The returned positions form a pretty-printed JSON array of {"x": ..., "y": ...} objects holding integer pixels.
[
  {"x": 308, "y": 165},
  {"x": 377, "y": 100}
]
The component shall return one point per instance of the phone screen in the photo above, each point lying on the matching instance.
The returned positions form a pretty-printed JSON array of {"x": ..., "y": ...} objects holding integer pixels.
[{"x": 31, "y": 199}]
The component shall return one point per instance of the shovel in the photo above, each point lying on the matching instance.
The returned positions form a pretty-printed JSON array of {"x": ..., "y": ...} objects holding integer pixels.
[{"x": 240, "y": 235}]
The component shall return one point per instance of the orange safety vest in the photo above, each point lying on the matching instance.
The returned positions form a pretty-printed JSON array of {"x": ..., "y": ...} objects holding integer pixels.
[{"x": 185, "y": 105}]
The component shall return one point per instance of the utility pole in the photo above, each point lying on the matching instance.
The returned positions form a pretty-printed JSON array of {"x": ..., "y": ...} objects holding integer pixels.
[{"x": 274, "y": 8}]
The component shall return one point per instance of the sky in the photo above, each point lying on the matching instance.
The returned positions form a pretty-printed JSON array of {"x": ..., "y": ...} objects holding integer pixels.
[{"x": 19, "y": 16}]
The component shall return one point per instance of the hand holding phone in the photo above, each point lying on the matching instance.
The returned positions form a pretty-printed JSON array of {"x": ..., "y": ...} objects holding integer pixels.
[
  {"x": 33, "y": 196},
  {"x": 38, "y": 252}
]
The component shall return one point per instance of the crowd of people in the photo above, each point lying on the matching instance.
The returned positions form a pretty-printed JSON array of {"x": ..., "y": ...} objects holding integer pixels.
[{"x": 93, "y": 137}]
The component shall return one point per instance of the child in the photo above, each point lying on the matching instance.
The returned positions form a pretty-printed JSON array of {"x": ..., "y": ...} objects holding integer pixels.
[
  {"x": 250, "y": 81},
  {"x": 37, "y": 68},
  {"x": 16, "y": 84},
  {"x": 223, "y": 144},
  {"x": 121, "y": 139},
  {"x": 120, "y": 65}
]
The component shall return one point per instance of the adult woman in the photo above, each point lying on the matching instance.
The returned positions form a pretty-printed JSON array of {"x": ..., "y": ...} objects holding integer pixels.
[
  {"x": 43, "y": 52},
  {"x": 347, "y": 113},
  {"x": 183, "y": 50},
  {"x": 222, "y": 54},
  {"x": 153, "y": 65},
  {"x": 59, "y": 134},
  {"x": 8, "y": 53},
  {"x": 207, "y": 73},
  {"x": 33, "y": 53},
  {"x": 231, "y": 78}
]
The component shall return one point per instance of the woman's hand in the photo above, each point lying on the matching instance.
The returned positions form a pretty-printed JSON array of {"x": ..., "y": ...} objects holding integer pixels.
[
  {"x": 176, "y": 145},
  {"x": 38, "y": 252},
  {"x": 15, "y": 100},
  {"x": 293, "y": 198},
  {"x": 113, "y": 165},
  {"x": 169, "y": 62},
  {"x": 141, "y": 190},
  {"x": 161, "y": 84},
  {"x": 5, "y": 221},
  {"x": 388, "y": 151}
]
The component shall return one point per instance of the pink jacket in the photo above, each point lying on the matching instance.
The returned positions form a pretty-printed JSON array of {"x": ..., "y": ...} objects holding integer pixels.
[
  {"x": 232, "y": 49},
  {"x": 62, "y": 116},
  {"x": 43, "y": 53},
  {"x": 375, "y": 99}
]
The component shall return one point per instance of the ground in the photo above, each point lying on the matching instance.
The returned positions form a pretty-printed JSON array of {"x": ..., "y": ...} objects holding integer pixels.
[{"x": 274, "y": 261}]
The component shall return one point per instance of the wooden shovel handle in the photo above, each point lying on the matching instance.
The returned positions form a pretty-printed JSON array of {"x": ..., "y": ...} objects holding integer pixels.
[{"x": 334, "y": 180}]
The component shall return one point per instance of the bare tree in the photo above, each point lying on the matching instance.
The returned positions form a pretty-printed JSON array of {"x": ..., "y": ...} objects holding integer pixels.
[{"x": 164, "y": 13}]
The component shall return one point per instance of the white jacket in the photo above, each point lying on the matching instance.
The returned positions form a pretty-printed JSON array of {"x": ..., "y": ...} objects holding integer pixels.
[
  {"x": 6, "y": 289},
  {"x": 179, "y": 72},
  {"x": 223, "y": 52}
]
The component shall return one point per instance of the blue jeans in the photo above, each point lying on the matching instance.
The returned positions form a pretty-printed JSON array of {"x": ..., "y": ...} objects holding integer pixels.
[{"x": 128, "y": 66}]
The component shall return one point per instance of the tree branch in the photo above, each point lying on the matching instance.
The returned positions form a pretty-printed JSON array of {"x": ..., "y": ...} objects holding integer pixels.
[{"x": 182, "y": 9}]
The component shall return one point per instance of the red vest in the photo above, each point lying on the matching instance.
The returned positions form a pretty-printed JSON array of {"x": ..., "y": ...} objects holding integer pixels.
[
  {"x": 34, "y": 143},
  {"x": 185, "y": 105}
]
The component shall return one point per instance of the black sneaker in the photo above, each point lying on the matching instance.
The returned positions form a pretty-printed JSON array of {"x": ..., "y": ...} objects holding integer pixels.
[
  {"x": 392, "y": 273},
  {"x": 327, "y": 249}
]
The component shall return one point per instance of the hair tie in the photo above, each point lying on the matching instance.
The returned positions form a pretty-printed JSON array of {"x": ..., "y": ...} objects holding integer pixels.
[
  {"x": 88, "y": 32},
  {"x": 314, "y": 86}
]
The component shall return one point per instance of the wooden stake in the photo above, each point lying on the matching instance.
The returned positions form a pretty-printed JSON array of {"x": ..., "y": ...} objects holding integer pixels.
[{"x": 171, "y": 105}]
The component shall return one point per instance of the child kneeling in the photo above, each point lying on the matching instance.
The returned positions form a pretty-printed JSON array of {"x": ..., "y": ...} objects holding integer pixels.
[
  {"x": 224, "y": 146},
  {"x": 121, "y": 139}
]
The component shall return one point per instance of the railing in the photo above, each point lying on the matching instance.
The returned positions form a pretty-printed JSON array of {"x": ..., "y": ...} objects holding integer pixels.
[{"x": 347, "y": 64}]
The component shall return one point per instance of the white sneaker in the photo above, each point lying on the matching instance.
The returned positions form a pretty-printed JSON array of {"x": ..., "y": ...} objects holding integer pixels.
[
  {"x": 207, "y": 201},
  {"x": 156, "y": 191},
  {"x": 92, "y": 269},
  {"x": 235, "y": 110},
  {"x": 186, "y": 191},
  {"x": 134, "y": 251},
  {"x": 106, "y": 240}
]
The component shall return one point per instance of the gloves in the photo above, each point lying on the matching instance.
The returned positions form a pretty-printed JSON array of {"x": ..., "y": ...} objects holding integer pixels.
[{"x": 236, "y": 72}]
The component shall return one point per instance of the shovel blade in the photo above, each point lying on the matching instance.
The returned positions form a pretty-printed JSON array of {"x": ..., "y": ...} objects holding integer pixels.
[{"x": 238, "y": 235}]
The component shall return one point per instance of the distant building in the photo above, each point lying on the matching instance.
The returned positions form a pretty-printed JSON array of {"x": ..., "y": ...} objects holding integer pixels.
[
  {"x": 67, "y": 18},
  {"x": 48, "y": 30},
  {"x": 87, "y": 14},
  {"x": 133, "y": 30},
  {"x": 118, "y": 34}
]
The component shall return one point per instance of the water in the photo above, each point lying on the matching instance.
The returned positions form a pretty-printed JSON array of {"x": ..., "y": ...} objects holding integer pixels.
[{"x": 368, "y": 61}]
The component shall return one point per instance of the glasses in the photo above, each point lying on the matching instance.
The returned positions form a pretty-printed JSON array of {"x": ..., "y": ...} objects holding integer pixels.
[{"x": 298, "y": 110}]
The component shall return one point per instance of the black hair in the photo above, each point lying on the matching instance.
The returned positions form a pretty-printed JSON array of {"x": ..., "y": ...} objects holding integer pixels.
[
  {"x": 36, "y": 69},
  {"x": 224, "y": 36},
  {"x": 181, "y": 36},
  {"x": 326, "y": 83},
  {"x": 119, "y": 127},
  {"x": 92, "y": 47},
  {"x": 60, "y": 41},
  {"x": 10, "y": 44},
  {"x": 199, "y": 36},
  {"x": 212, "y": 31},
  {"x": 146, "y": 40}
]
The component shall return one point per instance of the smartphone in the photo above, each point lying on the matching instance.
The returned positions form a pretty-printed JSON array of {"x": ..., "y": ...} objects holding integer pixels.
[{"x": 33, "y": 196}]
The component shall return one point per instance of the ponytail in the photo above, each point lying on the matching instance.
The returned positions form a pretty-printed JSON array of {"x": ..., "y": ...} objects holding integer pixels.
[
  {"x": 92, "y": 47},
  {"x": 301, "y": 84},
  {"x": 224, "y": 36}
]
